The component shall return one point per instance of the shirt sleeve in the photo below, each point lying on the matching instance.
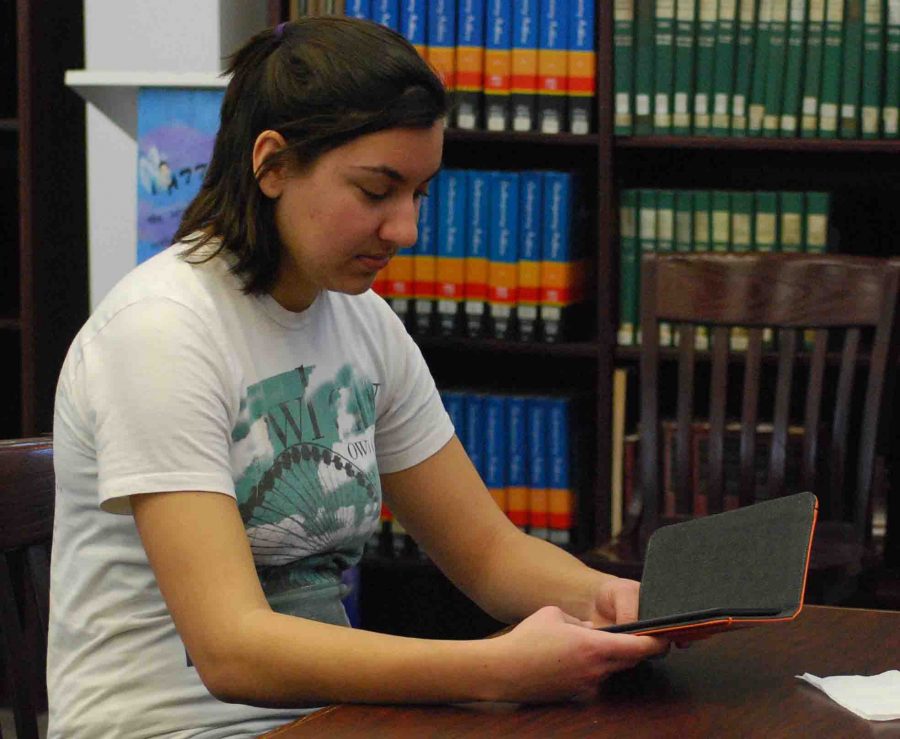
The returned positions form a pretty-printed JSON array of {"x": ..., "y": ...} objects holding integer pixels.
[
  {"x": 160, "y": 397},
  {"x": 413, "y": 424}
]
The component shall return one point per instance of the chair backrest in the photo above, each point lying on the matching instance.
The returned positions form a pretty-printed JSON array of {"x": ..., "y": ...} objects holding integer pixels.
[
  {"x": 27, "y": 489},
  {"x": 795, "y": 392}
]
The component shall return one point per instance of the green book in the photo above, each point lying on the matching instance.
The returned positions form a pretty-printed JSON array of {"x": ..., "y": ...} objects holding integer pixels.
[
  {"x": 628, "y": 268},
  {"x": 765, "y": 222},
  {"x": 890, "y": 112},
  {"x": 817, "y": 206},
  {"x": 702, "y": 243},
  {"x": 791, "y": 217},
  {"x": 756, "y": 104},
  {"x": 873, "y": 59},
  {"x": 793, "y": 72},
  {"x": 684, "y": 220},
  {"x": 665, "y": 244},
  {"x": 646, "y": 223},
  {"x": 832, "y": 56},
  {"x": 664, "y": 59},
  {"x": 851, "y": 79},
  {"x": 623, "y": 61},
  {"x": 812, "y": 73},
  {"x": 685, "y": 48},
  {"x": 721, "y": 221},
  {"x": 775, "y": 73},
  {"x": 643, "y": 67},
  {"x": 706, "y": 51},
  {"x": 723, "y": 75},
  {"x": 743, "y": 65}
]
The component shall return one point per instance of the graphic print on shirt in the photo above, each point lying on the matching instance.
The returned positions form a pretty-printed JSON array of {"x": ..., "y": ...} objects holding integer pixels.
[{"x": 308, "y": 489}]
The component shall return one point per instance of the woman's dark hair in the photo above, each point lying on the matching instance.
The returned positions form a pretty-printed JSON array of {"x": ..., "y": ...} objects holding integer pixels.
[{"x": 319, "y": 82}]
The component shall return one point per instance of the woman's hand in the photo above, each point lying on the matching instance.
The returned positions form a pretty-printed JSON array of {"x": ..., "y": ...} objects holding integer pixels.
[
  {"x": 616, "y": 601},
  {"x": 552, "y": 656}
]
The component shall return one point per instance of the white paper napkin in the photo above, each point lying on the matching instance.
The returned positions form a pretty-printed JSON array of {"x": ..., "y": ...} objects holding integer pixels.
[{"x": 873, "y": 697}]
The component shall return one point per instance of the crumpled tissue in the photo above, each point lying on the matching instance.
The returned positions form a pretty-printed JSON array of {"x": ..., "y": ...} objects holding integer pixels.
[{"x": 873, "y": 697}]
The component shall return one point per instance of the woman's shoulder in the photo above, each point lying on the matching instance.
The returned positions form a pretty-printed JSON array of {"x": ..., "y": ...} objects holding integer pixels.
[{"x": 168, "y": 279}]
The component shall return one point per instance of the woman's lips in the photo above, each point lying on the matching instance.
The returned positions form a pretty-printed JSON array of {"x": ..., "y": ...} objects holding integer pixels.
[{"x": 374, "y": 262}]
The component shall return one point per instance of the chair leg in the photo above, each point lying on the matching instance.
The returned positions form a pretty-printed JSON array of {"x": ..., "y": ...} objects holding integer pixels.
[{"x": 11, "y": 641}]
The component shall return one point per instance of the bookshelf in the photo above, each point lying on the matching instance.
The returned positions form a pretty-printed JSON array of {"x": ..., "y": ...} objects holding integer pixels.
[
  {"x": 862, "y": 175},
  {"x": 43, "y": 272}
]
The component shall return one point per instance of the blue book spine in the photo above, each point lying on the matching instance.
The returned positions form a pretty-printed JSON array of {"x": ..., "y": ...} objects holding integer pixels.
[
  {"x": 477, "y": 250},
  {"x": 523, "y": 86},
  {"x": 560, "y": 496},
  {"x": 473, "y": 439},
  {"x": 503, "y": 250},
  {"x": 530, "y": 241},
  {"x": 560, "y": 274},
  {"x": 553, "y": 52},
  {"x": 451, "y": 252},
  {"x": 582, "y": 68},
  {"x": 387, "y": 13},
  {"x": 425, "y": 261},
  {"x": 517, "y": 454},
  {"x": 454, "y": 403},
  {"x": 469, "y": 63},
  {"x": 498, "y": 64},
  {"x": 358, "y": 9},
  {"x": 441, "y": 34},
  {"x": 538, "y": 508},
  {"x": 412, "y": 23},
  {"x": 495, "y": 448}
]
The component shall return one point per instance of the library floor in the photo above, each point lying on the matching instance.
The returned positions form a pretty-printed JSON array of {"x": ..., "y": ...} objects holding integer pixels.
[{"x": 8, "y": 727}]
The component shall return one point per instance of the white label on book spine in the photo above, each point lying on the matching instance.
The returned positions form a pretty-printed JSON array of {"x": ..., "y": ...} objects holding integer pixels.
[
  {"x": 642, "y": 104},
  {"x": 739, "y": 103},
  {"x": 721, "y": 104},
  {"x": 701, "y": 104},
  {"x": 662, "y": 104},
  {"x": 681, "y": 103},
  {"x": 623, "y": 102}
]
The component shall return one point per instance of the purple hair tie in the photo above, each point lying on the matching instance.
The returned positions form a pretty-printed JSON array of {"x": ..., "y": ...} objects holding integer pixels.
[{"x": 279, "y": 29}]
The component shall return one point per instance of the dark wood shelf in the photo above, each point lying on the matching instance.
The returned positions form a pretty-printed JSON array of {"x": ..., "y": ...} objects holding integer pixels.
[
  {"x": 587, "y": 141},
  {"x": 567, "y": 349},
  {"x": 723, "y": 143},
  {"x": 9, "y": 124}
]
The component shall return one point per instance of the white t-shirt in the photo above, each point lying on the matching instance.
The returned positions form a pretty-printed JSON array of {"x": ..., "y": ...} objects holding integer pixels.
[{"x": 179, "y": 381}]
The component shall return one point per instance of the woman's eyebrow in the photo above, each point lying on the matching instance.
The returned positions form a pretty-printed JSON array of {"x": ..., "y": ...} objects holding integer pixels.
[{"x": 392, "y": 173}]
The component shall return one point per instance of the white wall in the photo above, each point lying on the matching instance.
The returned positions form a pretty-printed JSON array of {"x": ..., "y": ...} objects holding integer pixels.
[{"x": 141, "y": 36}]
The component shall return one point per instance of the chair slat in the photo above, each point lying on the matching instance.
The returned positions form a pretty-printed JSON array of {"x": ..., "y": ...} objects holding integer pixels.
[
  {"x": 813, "y": 410},
  {"x": 787, "y": 342},
  {"x": 684, "y": 416},
  {"x": 880, "y": 358},
  {"x": 837, "y": 452},
  {"x": 749, "y": 415},
  {"x": 718, "y": 392}
]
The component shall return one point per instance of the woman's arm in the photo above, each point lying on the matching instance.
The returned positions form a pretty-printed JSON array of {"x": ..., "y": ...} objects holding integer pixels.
[
  {"x": 244, "y": 652},
  {"x": 444, "y": 504}
]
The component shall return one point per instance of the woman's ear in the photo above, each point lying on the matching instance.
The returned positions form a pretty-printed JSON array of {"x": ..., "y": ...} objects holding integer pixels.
[{"x": 266, "y": 144}]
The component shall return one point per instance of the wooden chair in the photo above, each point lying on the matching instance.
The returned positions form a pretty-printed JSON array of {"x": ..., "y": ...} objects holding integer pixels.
[
  {"x": 27, "y": 488},
  {"x": 798, "y": 407}
]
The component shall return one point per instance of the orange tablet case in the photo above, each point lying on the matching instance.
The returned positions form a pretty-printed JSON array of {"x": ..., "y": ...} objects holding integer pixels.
[{"x": 739, "y": 568}]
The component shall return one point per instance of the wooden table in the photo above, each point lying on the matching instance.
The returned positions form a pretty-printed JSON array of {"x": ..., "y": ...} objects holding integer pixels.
[{"x": 739, "y": 684}]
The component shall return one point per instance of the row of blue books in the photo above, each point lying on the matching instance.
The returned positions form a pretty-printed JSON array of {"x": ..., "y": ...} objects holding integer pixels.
[
  {"x": 528, "y": 65},
  {"x": 498, "y": 254}
]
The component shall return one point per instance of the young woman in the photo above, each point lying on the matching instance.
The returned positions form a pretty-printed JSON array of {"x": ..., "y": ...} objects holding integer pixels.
[{"x": 230, "y": 416}]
